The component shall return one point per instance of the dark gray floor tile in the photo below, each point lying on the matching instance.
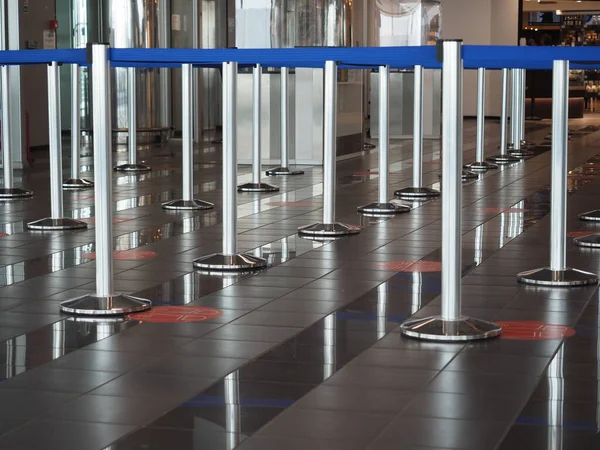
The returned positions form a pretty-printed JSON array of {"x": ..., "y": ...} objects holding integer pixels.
[
  {"x": 253, "y": 333},
  {"x": 224, "y": 349},
  {"x": 105, "y": 361},
  {"x": 382, "y": 377},
  {"x": 24, "y": 403},
  {"x": 281, "y": 319},
  {"x": 59, "y": 380},
  {"x": 404, "y": 358},
  {"x": 193, "y": 366},
  {"x": 276, "y": 443}
]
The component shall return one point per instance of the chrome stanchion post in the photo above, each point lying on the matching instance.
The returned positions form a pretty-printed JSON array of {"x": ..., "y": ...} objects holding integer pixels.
[
  {"x": 229, "y": 260},
  {"x": 417, "y": 191},
  {"x": 188, "y": 202},
  {"x": 480, "y": 163},
  {"x": 383, "y": 207},
  {"x": 517, "y": 120},
  {"x": 75, "y": 181},
  {"x": 503, "y": 157},
  {"x": 8, "y": 192},
  {"x": 558, "y": 274},
  {"x": 525, "y": 144},
  {"x": 132, "y": 165},
  {"x": 256, "y": 185},
  {"x": 451, "y": 325},
  {"x": 284, "y": 169},
  {"x": 56, "y": 221},
  {"x": 329, "y": 229},
  {"x": 104, "y": 302}
]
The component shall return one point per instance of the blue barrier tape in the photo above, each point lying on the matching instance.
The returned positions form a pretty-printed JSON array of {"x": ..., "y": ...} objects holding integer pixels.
[
  {"x": 30, "y": 57},
  {"x": 475, "y": 56}
]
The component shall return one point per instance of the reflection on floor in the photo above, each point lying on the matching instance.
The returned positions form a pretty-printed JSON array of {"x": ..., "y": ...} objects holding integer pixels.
[{"x": 306, "y": 354}]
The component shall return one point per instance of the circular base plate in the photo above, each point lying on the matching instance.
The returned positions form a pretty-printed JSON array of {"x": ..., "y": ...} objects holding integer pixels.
[
  {"x": 521, "y": 153},
  {"x": 327, "y": 230},
  {"x": 50, "y": 224},
  {"x": 527, "y": 145},
  {"x": 77, "y": 183},
  {"x": 591, "y": 216},
  {"x": 590, "y": 241},
  {"x": 133, "y": 168},
  {"x": 468, "y": 175},
  {"x": 257, "y": 187},
  {"x": 480, "y": 166},
  {"x": 368, "y": 146},
  {"x": 503, "y": 159},
  {"x": 383, "y": 209},
  {"x": 437, "y": 329},
  {"x": 557, "y": 278},
  {"x": 14, "y": 193},
  {"x": 187, "y": 205},
  {"x": 218, "y": 262},
  {"x": 115, "y": 305},
  {"x": 283, "y": 171},
  {"x": 417, "y": 193}
]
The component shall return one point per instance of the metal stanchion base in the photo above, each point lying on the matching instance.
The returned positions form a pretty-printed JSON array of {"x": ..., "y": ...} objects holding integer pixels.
[
  {"x": 481, "y": 166},
  {"x": 435, "y": 328},
  {"x": 558, "y": 278},
  {"x": 468, "y": 175},
  {"x": 50, "y": 224},
  {"x": 591, "y": 241},
  {"x": 591, "y": 216},
  {"x": 283, "y": 171},
  {"x": 527, "y": 145},
  {"x": 257, "y": 187},
  {"x": 327, "y": 230},
  {"x": 383, "y": 209},
  {"x": 218, "y": 262},
  {"x": 14, "y": 193},
  {"x": 417, "y": 193},
  {"x": 521, "y": 153},
  {"x": 115, "y": 305},
  {"x": 133, "y": 168},
  {"x": 187, "y": 205},
  {"x": 368, "y": 146},
  {"x": 503, "y": 159},
  {"x": 77, "y": 183}
]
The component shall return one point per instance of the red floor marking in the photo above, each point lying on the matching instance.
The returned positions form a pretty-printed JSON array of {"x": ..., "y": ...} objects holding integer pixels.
[
  {"x": 503, "y": 210},
  {"x": 290, "y": 204},
  {"x": 534, "y": 331},
  {"x": 115, "y": 220},
  {"x": 355, "y": 225},
  {"x": 366, "y": 172},
  {"x": 126, "y": 254},
  {"x": 411, "y": 266},
  {"x": 176, "y": 314},
  {"x": 576, "y": 234},
  {"x": 3, "y": 235}
]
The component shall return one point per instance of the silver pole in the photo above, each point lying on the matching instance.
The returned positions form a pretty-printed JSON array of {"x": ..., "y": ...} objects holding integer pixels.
[
  {"x": 418, "y": 128},
  {"x": 284, "y": 115},
  {"x": 195, "y": 73},
  {"x": 452, "y": 140},
  {"x": 329, "y": 142},
  {"x": 329, "y": 229},
  {"x": 451, "y": 326},
  {"x": 256, "y": 112},
  {"x": 522, "y": 88},
  {"x": 518, "y": 121},
  {"x": 384, "y": 133},
  {"x": 187, "y": 145},
  {"x": 514, "y": 106},
  {"x": 558, "y": 274},
  {"x": 55, "y": 142},
  {"x": 132, "y": 114},
  {"x": 229, "y": 158},
  {"x": 75, "y": 126},
  {"x": 6, "y": 144},
  {"x": 480, "y": 152},
  {"x": 504, "y": 112},
  {"x": 560, "y": 142},
  {"x": 103, "y": 163},
  {"x": 104, "y": 302}
]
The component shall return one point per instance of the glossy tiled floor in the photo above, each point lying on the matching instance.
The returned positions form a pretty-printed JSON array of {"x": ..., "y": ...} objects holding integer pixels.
[{"x": 306, "y": 354}]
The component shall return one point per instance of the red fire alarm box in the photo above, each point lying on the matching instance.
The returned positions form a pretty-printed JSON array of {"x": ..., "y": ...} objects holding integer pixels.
[{"x": 53, "y": 24}]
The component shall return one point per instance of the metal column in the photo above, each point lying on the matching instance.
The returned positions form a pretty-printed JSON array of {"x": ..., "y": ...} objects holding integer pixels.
[
  {"x": 451, "y": 325},
  {"x": 188, "y": 202},
  {"x": 517, "y": 121},
  {"x": 104, "y": 302},
  {"x": 558, "y": 274},
  {"x": 229, "y": 260},
  {"x": 56, "y": 221},
  {"x": 383, "y": 207},
  {"x": 503, "y": 157}
]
